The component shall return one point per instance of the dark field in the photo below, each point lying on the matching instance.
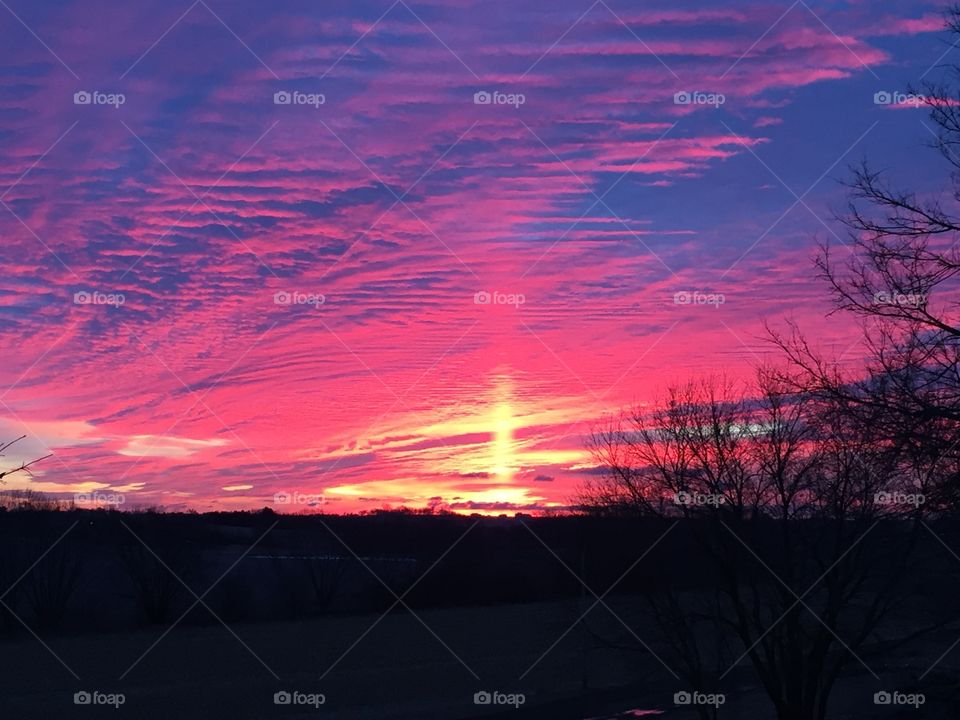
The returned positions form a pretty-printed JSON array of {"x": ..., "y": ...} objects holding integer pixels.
[{"x": 209, "y": 616}]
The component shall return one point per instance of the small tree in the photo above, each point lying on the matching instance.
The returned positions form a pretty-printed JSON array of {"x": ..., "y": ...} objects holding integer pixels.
[
  {"x": 50, "y": 584},
  {"x": 157, "y": 573},
  {"x": 325, "y": 575}
]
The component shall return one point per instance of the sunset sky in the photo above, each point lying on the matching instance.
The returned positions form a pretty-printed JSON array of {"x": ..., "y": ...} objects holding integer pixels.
[{"x": 387, "y": 291}]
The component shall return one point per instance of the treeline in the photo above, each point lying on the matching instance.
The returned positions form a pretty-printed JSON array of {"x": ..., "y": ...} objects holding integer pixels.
[{"x": 71, "y": 570}]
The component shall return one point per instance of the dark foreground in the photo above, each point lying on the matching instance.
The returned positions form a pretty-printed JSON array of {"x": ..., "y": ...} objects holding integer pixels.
[{"x": 259, "y": 616}]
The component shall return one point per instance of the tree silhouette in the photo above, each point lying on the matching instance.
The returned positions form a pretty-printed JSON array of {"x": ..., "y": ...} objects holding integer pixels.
[{"x": 806, "y": 523}]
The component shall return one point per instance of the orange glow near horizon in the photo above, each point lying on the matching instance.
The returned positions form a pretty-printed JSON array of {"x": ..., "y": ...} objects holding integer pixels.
[{"x": 499, "y": 459}]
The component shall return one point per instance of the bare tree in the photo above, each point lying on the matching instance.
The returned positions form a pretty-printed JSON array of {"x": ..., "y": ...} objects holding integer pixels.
[
  {"x": 50, "y": 585},
  {"x": 805, "y": 521},
  {"x": 24, "y": 466},
  {"x": 898, "y": 274},
  {"x": 13, "y": 561},
  {"x": 157, "y": 577},
  {"x": 325, "y": 575}
]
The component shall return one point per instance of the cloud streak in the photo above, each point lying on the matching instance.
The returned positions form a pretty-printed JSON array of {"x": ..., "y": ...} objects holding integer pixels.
[{"x": 299, "y": 280}]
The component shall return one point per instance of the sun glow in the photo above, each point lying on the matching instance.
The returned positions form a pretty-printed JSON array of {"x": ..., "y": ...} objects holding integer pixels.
[
  {"x": 503, "y": 421},
  {"x": 485, "y": 450}
]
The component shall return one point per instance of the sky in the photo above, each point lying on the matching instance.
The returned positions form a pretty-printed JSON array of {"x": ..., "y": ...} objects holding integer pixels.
[{"x": 345, "y": 256}]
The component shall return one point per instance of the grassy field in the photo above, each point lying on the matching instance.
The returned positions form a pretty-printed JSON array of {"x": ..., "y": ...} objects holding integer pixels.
[{"x": 367, "y": 666}]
